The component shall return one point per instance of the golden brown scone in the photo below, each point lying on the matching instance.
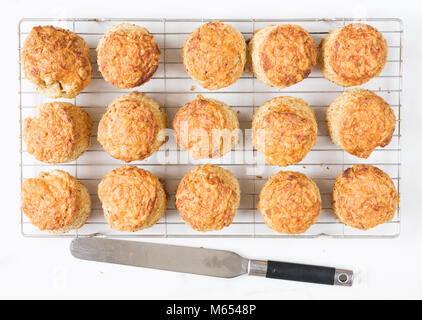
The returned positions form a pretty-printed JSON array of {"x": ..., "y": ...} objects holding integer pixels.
[
  {"x": 282, "y": 55},
  {"x": 352, "y": 55},
  {"x": 364, "y": 197},
  {"x": 127, "y": 55},
  {"x": 214, "y": 55},
  {"x": 133, "y": 199},
  {"x": 57, "y": 61},
  {"x": 59, "y": 133},
  {"x": 359, "y": 121},
  {"x": 55, "y": 201},
  {"x": 207, "y": 128},
  {"x": 290, "y": 202},
  {"x": 284, "y": 129},
  {"x": 207, "y": 198},
  {"x": 132, "y": 127}
]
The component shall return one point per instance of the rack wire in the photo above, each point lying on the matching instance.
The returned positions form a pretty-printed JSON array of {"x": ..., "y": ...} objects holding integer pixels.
[{"x": 172, "y": 88}]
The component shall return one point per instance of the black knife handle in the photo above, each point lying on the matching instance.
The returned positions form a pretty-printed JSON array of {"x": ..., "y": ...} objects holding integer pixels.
[{"x": 301, "y": 272}]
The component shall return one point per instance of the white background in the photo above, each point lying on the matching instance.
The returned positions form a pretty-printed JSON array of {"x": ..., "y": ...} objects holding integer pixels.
[{"x": 44, "y": 268}]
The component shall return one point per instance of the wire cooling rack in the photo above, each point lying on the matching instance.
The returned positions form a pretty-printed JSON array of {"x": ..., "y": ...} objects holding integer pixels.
[{"x": 172, "y": 88}]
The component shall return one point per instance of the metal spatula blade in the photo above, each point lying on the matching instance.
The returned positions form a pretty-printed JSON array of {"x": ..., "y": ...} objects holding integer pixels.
[
  {"x": 208, "y": 262},
  {"x": 201, "y": 261}
]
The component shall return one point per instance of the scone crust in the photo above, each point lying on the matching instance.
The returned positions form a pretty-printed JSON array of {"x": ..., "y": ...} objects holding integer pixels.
[
  {"x": 207, "y": 128},
  {"x": 284, "y": 129},
  {"x": 364, "y": 197},
  {"x": 290, "y": 202},
  {"x": 359, "y": 121},
  {"x": 59, "y": 133},
  {"x": 132, "y": 127},
  {"x": 56, "y": 61},
  {"x": 55, "y": 202},
  {"x": 352, "y": 55},
  {"x": 282, "y": 55},
  {"x": 127, "y": 56},
  {"x": 132, "y": 198},
  {"x": 207, "y": 198},
  {"x": 214, "y": 55}
]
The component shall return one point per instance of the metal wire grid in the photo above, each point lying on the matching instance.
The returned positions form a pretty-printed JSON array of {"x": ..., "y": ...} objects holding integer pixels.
[{"x": 172, "y": 87}]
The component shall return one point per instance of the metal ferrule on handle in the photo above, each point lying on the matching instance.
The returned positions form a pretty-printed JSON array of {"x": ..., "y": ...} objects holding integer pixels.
[{"x": 300, "y": 272}]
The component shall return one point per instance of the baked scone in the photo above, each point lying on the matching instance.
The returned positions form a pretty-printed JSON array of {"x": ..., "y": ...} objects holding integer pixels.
[
  {"x": 59, "y": 133},
  {"x": 207, "y": 128},
  {"x": 127, "y": 55},
  {"x": 132, "y": 127},
  {"x": 358, "y": 121},
  {"x": 132, "y": 198},
  {"x": 214, "y": 55},
  {"x": 284, "y": 129},
  {"x": 352, "y": 55},
  {"x": 290, "y": 202},
  {"x": 364, "y": 197},
  {"x": 56, "y": 202},
  {"x": 282, "y": 55},
  {"x": 56, "y": 61},
  {"x": 207, "y": 198}
]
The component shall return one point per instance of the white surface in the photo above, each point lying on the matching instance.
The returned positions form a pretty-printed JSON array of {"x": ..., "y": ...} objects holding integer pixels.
[{"x": 44, "y": 268}]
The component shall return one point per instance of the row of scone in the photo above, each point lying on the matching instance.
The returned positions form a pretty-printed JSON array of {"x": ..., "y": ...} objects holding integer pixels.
[
  {"x": 207, "y": 199},
  {"x": 284, "y": 128},
  {"x": 58, "y": 62}
]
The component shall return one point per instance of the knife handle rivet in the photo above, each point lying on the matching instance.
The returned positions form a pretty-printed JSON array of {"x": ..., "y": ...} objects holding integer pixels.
[{"x": 343, "y": 277}]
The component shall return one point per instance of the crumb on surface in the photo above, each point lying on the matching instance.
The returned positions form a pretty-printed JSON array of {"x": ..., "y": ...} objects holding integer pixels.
[
  {"x": 192, "y": 88},
  {"x": 259, "y": 177}
]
